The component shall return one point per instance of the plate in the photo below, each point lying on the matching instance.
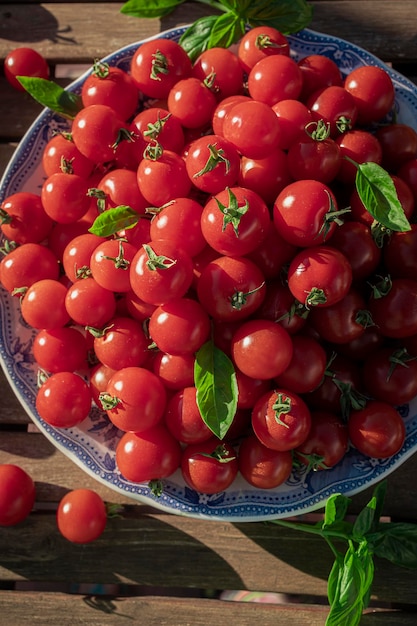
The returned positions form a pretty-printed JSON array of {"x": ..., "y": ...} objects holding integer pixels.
[{"x": 91, "y": 445}]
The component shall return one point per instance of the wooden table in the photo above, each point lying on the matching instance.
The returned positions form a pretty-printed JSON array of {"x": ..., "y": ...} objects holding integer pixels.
[{"x": 150, "y": 567}]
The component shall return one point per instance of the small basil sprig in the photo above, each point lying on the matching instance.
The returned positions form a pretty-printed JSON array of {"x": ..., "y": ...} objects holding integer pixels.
[
  {"x": 350, "y": 580},
  {"x": 51, "y": 95},
  {"x": 216, "y": 384},
  {"x": 287, "y": 16},
  {"x": 111, "y": 221}
]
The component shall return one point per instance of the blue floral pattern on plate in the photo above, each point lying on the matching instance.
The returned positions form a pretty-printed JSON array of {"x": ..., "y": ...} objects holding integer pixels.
[{"x": 92, "y": 444}]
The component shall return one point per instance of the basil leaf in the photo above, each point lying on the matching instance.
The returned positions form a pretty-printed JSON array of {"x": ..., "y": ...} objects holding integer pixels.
[
  {"x": 334, "y": 578},
  {"x": 196, "y": 37},
  {"x": 113, "y": 220},
  {"x": 379, "y": 196},
  {"x": 396, "y": 542},
  {"x": 226, "y": 30},
  {"x": 52, "y": 96},
  {"x": 335, "y": 511},
  {"x": 149, "y": 8},
  {"x": 287, "y": 16},
  {"x": 215, "y": 380},
  {"x": 347, "y": 605},
  {"x": 368, "y": 519}
]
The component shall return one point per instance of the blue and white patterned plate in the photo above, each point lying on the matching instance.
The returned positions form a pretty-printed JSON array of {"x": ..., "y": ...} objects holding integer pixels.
[{"x": 92, "y": 444}]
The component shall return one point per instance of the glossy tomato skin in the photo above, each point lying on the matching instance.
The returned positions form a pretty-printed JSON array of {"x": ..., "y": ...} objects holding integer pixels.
[
  {"x": 163, "y": 179},
  {"x": 354, "y": 239},
  {"x": 18, "y": 270},
  {"x": 158, "y": 65},
  {"x": 122, "y": 343},
  {"x": 208, "y": 474},
  {"x": 221, "y": 67},
  {"x": 261, "y": 349},
  {"x": 192, "y": 102},
  {"x": 17, "y": 494},
  {"x": 110, "y": 264},
  {"x": 335, "y": 106},
  {"x": 24, "y": 62},
  {"x": 260, "y": 42},
  {"x": 321, "y": 269},
  {"x": 378, "y": 430},
  {"x": 63, "y": 400},
  {"x": 294, "y": 116},
  {"x": 266, "y": 176},
  {"x": 173, "y": 219},
  {"x": 343, "y": 321},
  {"x": 81, "y": 516},
  {"x": 90, "y": 304},
  {"x": 395, "y": 314},
  {"x": 301, "y": 212},
  {"x": 135, "y": 399},
  {"x": 309, "y": 158},
  {"x": 104, "y": 85},
  {"x": 373, "y": 91},
  {"x": 158, "y": 124},
  {"x": 281, "y": 420},
  {"x": 62, "y": 349},
  {"x": 275, "y": 78},
  {"x": 398, "y": 143},
  {"x": 253, "y": 128},
  {"x": 230, "y": 288},
  {"x": 76, "y": 256},
  {"x": 175, "y": 371},
  {"x": 157, "y": 285},
  {"x": 95, "y": 131},
  {"x": 280, "y": 306},
  {"x": 359, "y": 145},
  {"x": 228, "y": 237},
  {"x": 400, "y": 254},
  {"x": 179, "y": 326},
  {"x": 120, "y": 187},
  {"x": 217, "y": 150},
  {"x": 61, "y": 154},
  {"x": 263, "y": 467},
  {"x": 306, "y": 368},
  {"x": 151, "y": 455},
  {"x": 43, "y": 304},
  {"x": 318, "y": 72},
  {"x": 183, "y": 418},
  {"x": 26, "y": 220},
  {"x": 388, "y": 381},
  {"x": 326, "y": 443}
]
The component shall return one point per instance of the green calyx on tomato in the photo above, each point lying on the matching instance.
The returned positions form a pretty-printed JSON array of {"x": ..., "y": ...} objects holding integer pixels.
[
  {"x": 232, "y": 212},
  {"x": 239, "y": 298},
  {"x": 399, "y": 357},
  {"x": 157, "y": 261},
  {"x": 216, "y": 157},
  {"x": 287, "y": 16},
  {"x": 159, "y": 65},
  {"x": 108, "y": 401},
  {"x": 281, "y": 406}
]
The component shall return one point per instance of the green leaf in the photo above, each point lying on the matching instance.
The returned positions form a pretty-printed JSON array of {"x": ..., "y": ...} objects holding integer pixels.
[
  {"x": 215, "y": 380},
  {"x": 396, "y": 542},
  {"x": 334, "y": 578},
  {"x": 149, "y": 8},
  {"x": 226, "y": 30},
  {"x": 335, "y": 511},
  {"x": 377, "y": 191},
  {"x": 52, "y": 96},
  {"x": 287, "y": 16},
  {"x": 196, "y": 37},
  {"x": 113, "y": 220},
  {"x": 347, "y": 605},
  {"x": 368, "y": 519}
]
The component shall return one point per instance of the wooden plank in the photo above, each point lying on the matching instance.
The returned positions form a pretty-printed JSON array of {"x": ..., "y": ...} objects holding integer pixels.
[
  {"x": 173, "y": 551},
  {"x": 151, "y": 610},
  {"x": 64, "y": 30}
]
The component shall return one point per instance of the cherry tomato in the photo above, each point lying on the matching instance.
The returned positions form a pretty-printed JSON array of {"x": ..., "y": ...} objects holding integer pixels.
[
  {"x": 104, "y": 85},
  {"x": 183, "y": 418},
  {"x": 326, "y": 443},
  {"x": 275, "y": 78},
  {"x": 96, "y": 130},
  {"x": 390, "y": 375},
  {"x": 253, "y": 128},
  {"x": 209, "y": 466},
  {"x": 260, "y": 42},
  {"x": 150, "y": 455},
  {"x": 212, "y": 163},
  {"x": 335, "y": 106},
  {"x": 192, "y": 102},
  {"x": 230, "y": 288},
  {"x": 110, "y": 264},
  {"x": 172, "y": 220},
  {"x": 24, "y": 62},
  {"x": 312, "y": 157},
  {"x": 359, "y": 145},
  {"x": 263, "y": 467},
  {"x": 373, "y": 91},
  {"x": 23, "y": 218},
  {"x": 158, "y": 124},
  {"x": 175, "y": 371},
  {"x": 43, "y": 304},
  {"x": 378, "y": 430},
  {"x": 221, "y": 68},
  {"x": 343, "y": 321},
  {"x": 63, "y": 400},
  {"x": 90, "y": 304},
  {"x": 293, "y": 117},
  {"x": 400, "y": 253},
  {"x": 319, "y": 276},
  {"x": 17, "y": 269},
  {"x": 119, "y": 187},
  {"x": 318, "y": 72},
  {"x": 355, "y": 240},
  {"x": 306, "y": 368},
  {"x": 179, "y": 326},
  {"x": 235, "y": 221},
  {"x": 62, "y": 349},
  {"x": 77, "y": 255},
  {"x": 281, "y": 420},
  {"x": 122, "y": 343},
  {"x": 163, "y": 177},
  {"x": 261, "y": 349},
  {"x": 81, "y": 516},
  {"x": 395, "y": 312},
  {"x": 17, "y": 494}
]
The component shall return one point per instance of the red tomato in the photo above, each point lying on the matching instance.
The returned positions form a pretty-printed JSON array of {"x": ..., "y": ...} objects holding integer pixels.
[
  {"x": 17, "y": 269},
  {"x": 319, "y": 276},
  {"x": 275, "y": 78},
  {"x": 90, "y": 304},
  {"x": 335, "y": 106},
  {"x": 359, "y": 145},
  {"x": 378, "y": 430},
  {"x": 17, "y": 494},
  {"x": 318, "y": 72},
  {"x": 209, "y": 466},
  {"x": 172, "y": 220},
  {"x": 373, "y": 91},
  {"x": 343, "y": 321},
  {"x": 326, "y": 443},
  {"x": 104, "y": 86},
  {"x": 24, "y": 218},
  {"x": 43, "y": 304},
  {"x": 96, "y": 131},
  {"x": 62, "y": 349},
  {"x": 183, "y": 418},
  {"x": 157, "y": 65},
  {"x": 151, "y": 455},
  {"x": 119, "y": 187},
  {"x": 221, "y": 68},
  {"x": 212, "y": 163},
  {"x": 260, "y": 42},
  {"x": 395, "y": 311},
  {"x": 230, "y": 288},
  {"x": 135, "y": 399},
  {"x": 122, "y": 343},
  {"x": 110, "y": 264},
  {"x": 163, "y": 177},
  {"x": 63, "y": 400},
  {"x": 175, "y": 371},
  {"x": 76, "y": 256},
  {"x": 293, "y": 117},
  {"x": 61, "y": 155},
  {"x": 81, "y": 516},
  {"x": 263, "y": 467},
  {"x": 390, "y": 375},
  {"x": 281, "y": 420},
  {"x": 158, "y": 124},
  {"x": 179, "y": 326},
  {"x": 24, "y": 62},
  {"x": 192, "y": 102},
  {"x": 253, "y": 128},
  {"x": 261, "y": 349},
  {"x": 235, "y": 221},
  {"x": 306, "y": 368}
]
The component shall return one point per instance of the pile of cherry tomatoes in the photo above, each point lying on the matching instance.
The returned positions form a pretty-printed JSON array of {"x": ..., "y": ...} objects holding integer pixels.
[{"x": 216, "y": 202}]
